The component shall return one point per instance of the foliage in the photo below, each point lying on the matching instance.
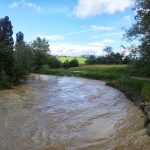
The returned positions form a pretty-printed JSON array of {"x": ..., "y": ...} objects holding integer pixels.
[
  {"x": 110, "y": 58},
  {"x": 40, "y": 49},
  {"x": 4, "y": 80},
  {"x": 108, "y": 50},
  {"x": 141, "y": 30},
  {"x": 91, "y": 60},
  {"x": 6, "y": 32},
  {"x": 19, "y": 37},
  {"x": 6, "y": 47},
  {"x": 66, "y": 64},
  {"x": 74, "y": 63},
  {"x": 145, "y": 92},
  {"x": 53, "y": 62},
  {"x": 23, "y": 57}
]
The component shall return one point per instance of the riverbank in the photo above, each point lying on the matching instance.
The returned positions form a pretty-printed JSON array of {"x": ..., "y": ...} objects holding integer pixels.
[{"x": 117, "y": 76}]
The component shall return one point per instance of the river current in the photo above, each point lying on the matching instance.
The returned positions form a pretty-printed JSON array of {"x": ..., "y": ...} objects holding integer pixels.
[{"x": 69, "y": 113}]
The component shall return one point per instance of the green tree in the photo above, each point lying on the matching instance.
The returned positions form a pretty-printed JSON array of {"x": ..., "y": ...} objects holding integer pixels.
[
  {"x": 53, "y": 62},
  {"x": 141, "y": 31},
  {"x": 23, "y": 56},
  {"x": 74, "y": 63},
  {"x": 19, "y": 37},
  {"x": 66, "y": 64},
  {"x": 6, "y": 47},
  {"x": 108, "y": 50},
  {"x": 6, "y": 32},
  {"x": 41, "y": 49}
]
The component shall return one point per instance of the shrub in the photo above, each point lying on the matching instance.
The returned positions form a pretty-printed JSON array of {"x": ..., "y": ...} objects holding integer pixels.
[
  {"x": 53, "y": 62},
  {"x": 65, "y": 64},
  {"x": 4, "y": 80},
  {"x": 145, "y": 93},
  {"x": 74, "y": 63}
]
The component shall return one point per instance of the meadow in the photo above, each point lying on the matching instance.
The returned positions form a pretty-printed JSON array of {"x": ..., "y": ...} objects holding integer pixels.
[{"x": 81, "y": 60}]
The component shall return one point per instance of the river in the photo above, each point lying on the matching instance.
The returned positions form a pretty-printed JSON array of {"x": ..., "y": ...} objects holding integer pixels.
[{"x": 69, "y": 113}]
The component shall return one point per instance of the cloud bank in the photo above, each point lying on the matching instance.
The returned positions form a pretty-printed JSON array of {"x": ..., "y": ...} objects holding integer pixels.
[
  {"x": 93, "y": 48},
  {"x": 89, "y": 8}
]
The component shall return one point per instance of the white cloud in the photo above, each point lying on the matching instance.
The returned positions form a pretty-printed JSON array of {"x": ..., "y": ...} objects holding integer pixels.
[
  {"x": 67, "y": 49},
  {"x": 93, "y": 48},
  {"x": 52, "y": 37},
  {"x": 106, "y": 34},
  {"x": 62, "y": 36},
  {"x": 102, "y": 43},
  {"x": 100, "y": 28},
  {"x": 88, "y": 8},
  {"x": 25, "y": 4}
]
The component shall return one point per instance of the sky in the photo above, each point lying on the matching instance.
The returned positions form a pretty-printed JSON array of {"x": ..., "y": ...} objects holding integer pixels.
[{"x": 73, "y": 27}]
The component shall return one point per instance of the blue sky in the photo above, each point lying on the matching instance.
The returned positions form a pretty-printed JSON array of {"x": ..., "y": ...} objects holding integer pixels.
[{"x": 73, "y": 27}]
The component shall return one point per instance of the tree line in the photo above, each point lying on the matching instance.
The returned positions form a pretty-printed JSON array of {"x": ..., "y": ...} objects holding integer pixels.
[
  {"x": 110, "y": 58},
  {"x": 18, "y": 59},
  {"x": 140, "y": 54}
]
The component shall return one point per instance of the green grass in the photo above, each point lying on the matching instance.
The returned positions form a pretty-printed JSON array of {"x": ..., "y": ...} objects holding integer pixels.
[
  {"x": 69, "y": 58},
  {"x": 115, "y": 75},
  {"x": 145, "y": 92}
]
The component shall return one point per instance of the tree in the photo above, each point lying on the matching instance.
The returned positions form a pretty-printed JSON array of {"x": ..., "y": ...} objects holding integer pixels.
[
  {"x": 91, "y": 60},
  {"x": 66, "y": 64},
  {"x": 41, "y": 49},
  {"x": 23, "y": 57},
  {"x": 141, "y": 31},
  {"x": 6, "y": 47},
  {"x": 108, "y": 50},
  {"x": 19, "y": 37},
  {"x": 74, "y": 63},
  {"x": 53, "y": 62},
  {"x": 6, "y": 32}
]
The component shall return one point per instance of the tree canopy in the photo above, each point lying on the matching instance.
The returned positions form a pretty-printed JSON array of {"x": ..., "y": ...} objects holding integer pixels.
[
  {"x": 6, "y": 32},
  {"x": 40, "y": 49},
  {"x": 6, "y": 47},
  {"x": 141, "y": 30},
  {"x": 19, "y": 37}
]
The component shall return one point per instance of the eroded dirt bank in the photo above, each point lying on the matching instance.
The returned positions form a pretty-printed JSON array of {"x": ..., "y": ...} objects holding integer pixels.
[{"x": 68, "y": 113}]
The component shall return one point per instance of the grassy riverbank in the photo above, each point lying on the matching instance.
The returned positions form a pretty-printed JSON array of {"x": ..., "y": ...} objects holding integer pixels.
[{"x": 118, "y": 76}]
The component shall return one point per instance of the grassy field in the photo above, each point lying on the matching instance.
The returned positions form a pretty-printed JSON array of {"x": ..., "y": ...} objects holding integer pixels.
[
  {"x": 118, "y": 76},
  {"x": 69, "y": 58}
]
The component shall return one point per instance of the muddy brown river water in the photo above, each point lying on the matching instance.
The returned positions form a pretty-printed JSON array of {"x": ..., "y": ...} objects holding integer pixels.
[{"x": 69, "y": 113}]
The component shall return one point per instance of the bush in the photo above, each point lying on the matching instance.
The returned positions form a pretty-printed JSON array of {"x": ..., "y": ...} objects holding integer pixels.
[
  {"x": 53, "y": 62},
  {"x": 4, "y": 80},
  {"x": 91, "y": 60},
  {"x": 74, "y": 63},
  {"x": 65, "y": 64},
  {"x": 145, "y": 93}
]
